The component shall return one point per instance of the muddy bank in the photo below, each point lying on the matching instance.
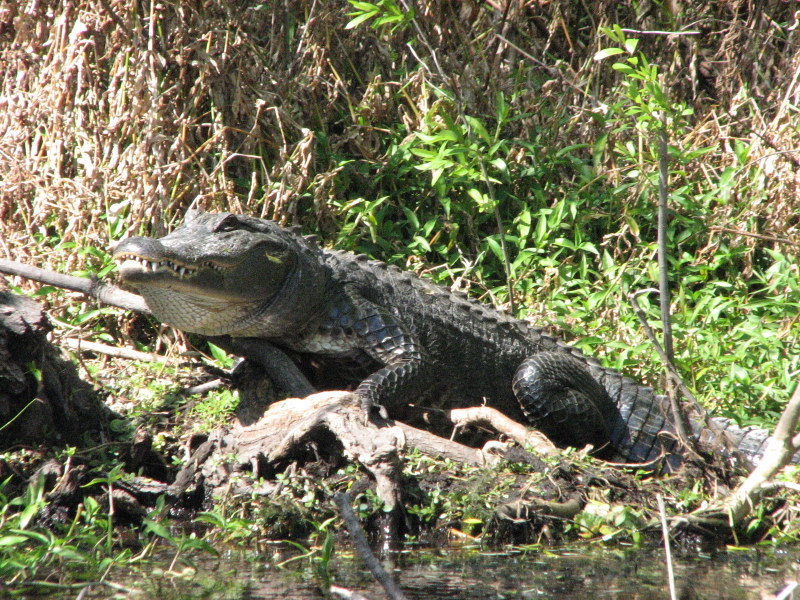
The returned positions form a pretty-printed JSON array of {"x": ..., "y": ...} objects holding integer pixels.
[{"x": 286, "y": 464}]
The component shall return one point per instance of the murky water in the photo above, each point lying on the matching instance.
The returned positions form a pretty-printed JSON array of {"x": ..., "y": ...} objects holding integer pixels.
[{"x": 576, "y": 574}]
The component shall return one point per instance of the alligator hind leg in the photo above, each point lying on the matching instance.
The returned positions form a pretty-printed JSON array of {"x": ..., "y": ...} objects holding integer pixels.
[{"x": 562, "y": 399}]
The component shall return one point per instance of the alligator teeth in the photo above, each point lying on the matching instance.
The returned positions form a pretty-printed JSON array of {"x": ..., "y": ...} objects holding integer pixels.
[
  {"x": 212, "y": 266},
  {"x": 180, "y": 271}
]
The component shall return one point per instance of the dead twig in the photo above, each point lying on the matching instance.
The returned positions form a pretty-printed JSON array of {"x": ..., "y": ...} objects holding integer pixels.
[
  {"x": 362, "y": 547},
  {"x": 658, "y": 32},
  {"x": 787, "y": 593},
  {"x": 129, "y": 353},
  {"x": 663, "y": 250},
  {"x": 203, "y": 388},
  {"x": 672, "y": 373},
  {"x": 486, "y": 415},
  {"x": 340, "y": 592},
  {"x": 439, "y": 447},
  {"x": 758, "y": 236},
  {"x": 120, "y": 23},
  {"x": 665, "y": 531}
]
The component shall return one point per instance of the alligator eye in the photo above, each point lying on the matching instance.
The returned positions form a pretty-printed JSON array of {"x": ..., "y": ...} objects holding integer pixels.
[{"x": 229, "y": 223}]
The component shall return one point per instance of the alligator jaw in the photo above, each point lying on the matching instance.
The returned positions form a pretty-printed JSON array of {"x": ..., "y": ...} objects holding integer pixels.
[{"x": 133, "y": 267}]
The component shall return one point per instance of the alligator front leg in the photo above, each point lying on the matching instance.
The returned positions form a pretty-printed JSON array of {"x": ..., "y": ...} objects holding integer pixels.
[
  {"x": 562, "y": 399},
  {"x": 378, "y": 333}
]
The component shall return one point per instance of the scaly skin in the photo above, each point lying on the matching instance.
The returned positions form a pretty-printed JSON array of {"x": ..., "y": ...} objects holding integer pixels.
[{"x": 224, "y": 274}]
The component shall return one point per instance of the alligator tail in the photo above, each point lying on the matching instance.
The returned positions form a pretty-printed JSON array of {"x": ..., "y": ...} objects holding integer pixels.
[{"x": 644, "y": 429}]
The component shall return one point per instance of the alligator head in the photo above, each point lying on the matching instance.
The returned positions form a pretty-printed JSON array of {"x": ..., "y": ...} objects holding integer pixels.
[{"x": 226, "y": 274}]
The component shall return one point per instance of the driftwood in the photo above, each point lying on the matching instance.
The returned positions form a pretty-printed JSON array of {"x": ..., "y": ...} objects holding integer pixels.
[
  {"x": 271, "y": 443},
  {"x": 287, "y": 423}
]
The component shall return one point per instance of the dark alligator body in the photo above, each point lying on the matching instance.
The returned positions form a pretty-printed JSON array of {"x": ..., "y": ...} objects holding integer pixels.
[{"x": 226, "y": 274}]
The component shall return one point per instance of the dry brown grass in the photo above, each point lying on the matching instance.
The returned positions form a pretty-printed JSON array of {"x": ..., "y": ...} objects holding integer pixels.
[{"x": 111, "y": 108}]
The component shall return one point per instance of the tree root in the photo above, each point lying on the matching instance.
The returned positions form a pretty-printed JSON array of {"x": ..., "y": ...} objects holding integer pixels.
[
  {"x": 525, "y": 510},
  {"x": 486, "y": 415},
  {"x": 732, "y": 510}
]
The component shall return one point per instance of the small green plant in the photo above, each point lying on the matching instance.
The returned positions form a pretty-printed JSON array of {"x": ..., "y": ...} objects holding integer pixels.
[
  {"x": 732, "y": 330},
  {"x": 319, "y": 553},
  {"x": 222, "y": 359},
  {"x": 108, "y": 480},
  {"x": 382, "y": 14},
  {"x": 609, "y": 522},
  {"x": 214, "y": 408},
  {"x": 29, "y": 551}
]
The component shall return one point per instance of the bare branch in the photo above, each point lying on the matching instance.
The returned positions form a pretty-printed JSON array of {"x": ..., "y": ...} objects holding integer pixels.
[
  {"x": 129, "y": 353},
  {"x": 106, "y": 293},
  {"x": 678, "y": 414},
  {"x": 758, "y": 236},
  {"x": 362, "y": 547},
  {"x": 486, "y": 415},
  {"x": 781, "y": 447}
]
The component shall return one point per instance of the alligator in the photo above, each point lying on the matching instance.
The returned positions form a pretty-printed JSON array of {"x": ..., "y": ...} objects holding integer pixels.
[{"x": 224, "y": 274}]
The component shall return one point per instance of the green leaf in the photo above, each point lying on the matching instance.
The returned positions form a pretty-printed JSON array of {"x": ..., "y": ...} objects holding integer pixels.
[
  {"x": 157, "y": 529},
  {"x": 361, "y": 18},
  {"x": 631, "y": 45},
  {"x": 412, "y": 217},
  {"x": 422, "y": 242},
  {"x": 43, "y": 539},
  {"x": 435, "y": 175},
  {"x": 68, "y": 553},
  {"x": 12, "y": 540},
  {"x": 502, "y": 109},
  {"x": 606, "y": 52},
  {"x": 27, "y": 514},
  {"x": 495, "y": 247},
  {"x": 478, "y": 196},
  {"x": 599, "y": 148},
  {"x": 478, "y": 129},
  {"x": 219, "y": 354}
]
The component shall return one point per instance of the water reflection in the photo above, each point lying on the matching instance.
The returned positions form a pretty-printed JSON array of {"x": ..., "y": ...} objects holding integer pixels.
[
  {"x": 561, "y": 574},
  {"x": 459, "y": 574}
]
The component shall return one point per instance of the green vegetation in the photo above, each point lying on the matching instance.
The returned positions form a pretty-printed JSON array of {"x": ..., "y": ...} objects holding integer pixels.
[
  {"x": 530, "y": 183},
  {"x": 579, "y": 232},
  {"x": 510, "y": 154}
]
